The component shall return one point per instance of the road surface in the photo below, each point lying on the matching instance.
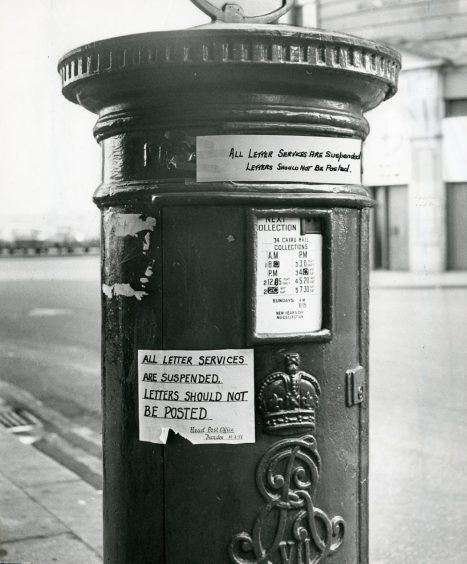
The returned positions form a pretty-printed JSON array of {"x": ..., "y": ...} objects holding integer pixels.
[
  {"x": 418, "y": 433},
  {"x": 50, "y": 332}
]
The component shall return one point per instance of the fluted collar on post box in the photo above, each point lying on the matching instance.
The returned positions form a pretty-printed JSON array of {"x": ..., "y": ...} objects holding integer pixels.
[{"x": 272, "y": 58}]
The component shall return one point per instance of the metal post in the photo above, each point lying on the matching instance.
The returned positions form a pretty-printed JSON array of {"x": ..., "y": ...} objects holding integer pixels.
[{"x": 234, "y": 265}]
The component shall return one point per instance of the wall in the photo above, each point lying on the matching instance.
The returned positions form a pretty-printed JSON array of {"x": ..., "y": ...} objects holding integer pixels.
[{"x": 438, "y": 27}]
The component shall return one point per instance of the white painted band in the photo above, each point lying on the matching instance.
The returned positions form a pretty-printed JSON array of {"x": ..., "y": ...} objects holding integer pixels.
[{"x": 278, "y": 158}]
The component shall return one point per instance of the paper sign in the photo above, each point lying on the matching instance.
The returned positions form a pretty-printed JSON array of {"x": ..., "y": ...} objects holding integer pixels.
[
  {"x": 278, "y": 158},
  {"x": 205, "y": 396},
  {"x": 288, "y": 277}
]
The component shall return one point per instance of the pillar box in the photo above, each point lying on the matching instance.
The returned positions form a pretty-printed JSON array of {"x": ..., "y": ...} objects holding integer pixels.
[{"x": 234, "y": 287}]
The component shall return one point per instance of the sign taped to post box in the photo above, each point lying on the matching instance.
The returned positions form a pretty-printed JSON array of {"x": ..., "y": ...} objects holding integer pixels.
[
  {"x": 289, "y": 275},
  {"x": 278, "y": 158},
  {"x": 205, "y": 396}
]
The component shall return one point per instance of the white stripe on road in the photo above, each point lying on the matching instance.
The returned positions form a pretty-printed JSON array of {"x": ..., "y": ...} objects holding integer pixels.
[{"x": 48, "y": 312}]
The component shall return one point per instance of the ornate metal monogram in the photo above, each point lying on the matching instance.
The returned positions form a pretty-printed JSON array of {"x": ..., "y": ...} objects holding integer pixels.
[
  {"x": 289, "y": 529},
  {"x": 297, "y": 531},
  {"x": 287, "y": 400}
]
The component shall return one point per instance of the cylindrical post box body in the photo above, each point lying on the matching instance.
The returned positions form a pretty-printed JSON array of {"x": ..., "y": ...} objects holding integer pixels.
[{"x": 234, "y": 245}]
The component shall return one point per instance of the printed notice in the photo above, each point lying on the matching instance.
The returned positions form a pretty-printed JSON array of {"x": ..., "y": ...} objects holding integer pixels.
[
  {"x": 205, "y": 396},
  {"x": 288, "y": 277},
  {"x": 278, "y": 158}
]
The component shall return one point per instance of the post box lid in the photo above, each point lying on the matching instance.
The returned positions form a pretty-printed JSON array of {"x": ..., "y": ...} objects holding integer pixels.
[{"x": 237, "y": 53}]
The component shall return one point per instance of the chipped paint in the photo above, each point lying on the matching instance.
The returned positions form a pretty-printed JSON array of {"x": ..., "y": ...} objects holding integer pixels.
[
  {"x": 132, "y": 275},
  {"x": 147, "y": 275},
  {"x": 122, "y": 290},
  {"x": 146, "y": 241},
  {"x": 130, "y": 224}
]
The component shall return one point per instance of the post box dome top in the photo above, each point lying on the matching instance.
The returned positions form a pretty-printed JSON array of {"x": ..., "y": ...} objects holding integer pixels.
[{"x": 240, "y": 49}]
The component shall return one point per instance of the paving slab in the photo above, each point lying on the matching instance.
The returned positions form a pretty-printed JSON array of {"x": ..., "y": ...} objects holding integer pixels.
[
  {"x": 47, "y": 513},
  {"x": 77, "y": 504},
  {"x": 8, "y": 490},
  {"x": 60, "y": 549},
  {"x": 21, "y": 518},
  {"x": 25, "y": 466}
]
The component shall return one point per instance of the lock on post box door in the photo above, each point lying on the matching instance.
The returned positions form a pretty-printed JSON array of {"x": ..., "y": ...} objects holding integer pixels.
[{"x": 235, "y": 287}]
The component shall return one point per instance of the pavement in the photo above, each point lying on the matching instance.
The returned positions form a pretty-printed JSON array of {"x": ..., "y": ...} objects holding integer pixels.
[
  {"x": 61, "y": 437},
  {"x": 48, "y": 514}
]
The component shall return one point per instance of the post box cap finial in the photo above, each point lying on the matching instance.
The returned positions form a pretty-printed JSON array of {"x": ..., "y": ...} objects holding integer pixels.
[{"x": 244, "y": 11}]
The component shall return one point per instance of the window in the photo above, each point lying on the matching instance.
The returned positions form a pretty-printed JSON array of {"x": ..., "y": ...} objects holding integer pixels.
[{"x": 456, "y": 107}]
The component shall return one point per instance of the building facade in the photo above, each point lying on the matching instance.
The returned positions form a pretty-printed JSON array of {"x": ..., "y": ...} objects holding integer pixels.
[{"x": 415, "y": 161}]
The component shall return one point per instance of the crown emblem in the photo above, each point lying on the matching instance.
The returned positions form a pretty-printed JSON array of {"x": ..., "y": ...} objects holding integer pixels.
[{"x": 287, "y": 400}]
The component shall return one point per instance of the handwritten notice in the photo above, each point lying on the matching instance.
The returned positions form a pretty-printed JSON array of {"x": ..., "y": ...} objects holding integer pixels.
[
  {"x": 288, "y": 277},
  {"x": 205, "y": 396},
  {"x": 278, "y": 158}
]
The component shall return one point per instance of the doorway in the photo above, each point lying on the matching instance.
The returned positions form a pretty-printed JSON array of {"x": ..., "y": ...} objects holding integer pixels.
[
  {"x": 390, "y": 228},
  {"x": 457, "y": 225}
]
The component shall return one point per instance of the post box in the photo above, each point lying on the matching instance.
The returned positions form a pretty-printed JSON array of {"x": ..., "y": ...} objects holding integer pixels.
[{"x": 234, "y": 287}]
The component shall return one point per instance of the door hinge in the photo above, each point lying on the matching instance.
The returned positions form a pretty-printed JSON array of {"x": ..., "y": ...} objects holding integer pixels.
[{"x": 355, "y": 386}]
